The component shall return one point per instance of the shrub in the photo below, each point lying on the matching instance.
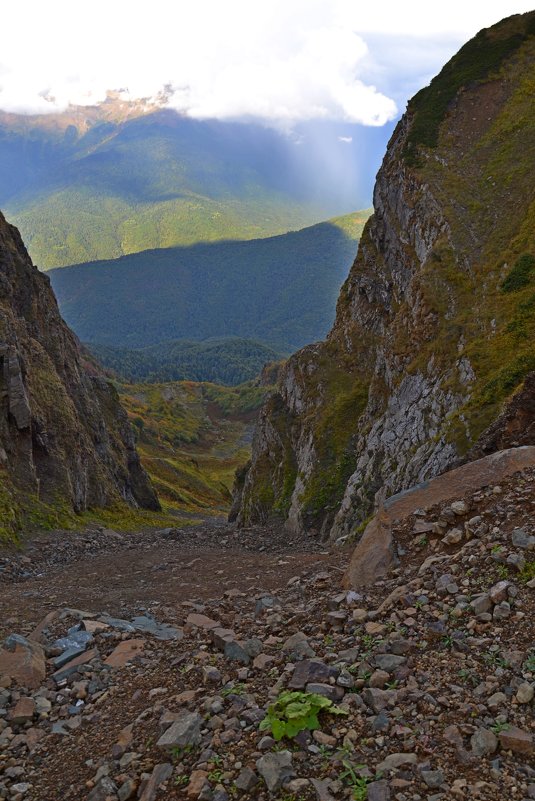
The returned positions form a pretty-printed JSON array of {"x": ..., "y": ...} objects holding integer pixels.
[{"x": 521, "y": 274}]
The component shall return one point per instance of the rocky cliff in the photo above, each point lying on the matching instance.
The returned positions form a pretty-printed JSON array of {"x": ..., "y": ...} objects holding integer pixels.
[
  {"x": 435, "y": 324},
  {"x": 65, "y": 441}
]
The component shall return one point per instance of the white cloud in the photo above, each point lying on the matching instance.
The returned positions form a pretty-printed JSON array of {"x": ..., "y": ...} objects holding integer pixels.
[
  {"x": 282, "y": 61},
  {"x": 346, "y": 139}
]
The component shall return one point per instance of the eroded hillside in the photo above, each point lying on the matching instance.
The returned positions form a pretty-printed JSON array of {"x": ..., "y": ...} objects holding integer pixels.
[{"x": 65, "y": 441}]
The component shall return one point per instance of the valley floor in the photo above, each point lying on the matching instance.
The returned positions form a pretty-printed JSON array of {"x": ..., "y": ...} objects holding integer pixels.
[{"x": 187, "y": 635}]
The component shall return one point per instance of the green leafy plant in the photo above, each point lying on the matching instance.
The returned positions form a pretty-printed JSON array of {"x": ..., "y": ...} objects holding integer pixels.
[
  {"x": 528, "y": 571},
  {"x": 236, "y": 689},
  {"x": 182, "y": 780},
  {"x": 499, "y": 726},
  {"x": 529, "y": 664},
  {"x": 358, "y": 784},
  {"x": 297, "y": 711}
]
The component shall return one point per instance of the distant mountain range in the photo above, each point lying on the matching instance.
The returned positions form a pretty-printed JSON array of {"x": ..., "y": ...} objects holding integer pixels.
[
  {"x": 100, "y": 182},
  {"x": 279, "y": 291}
]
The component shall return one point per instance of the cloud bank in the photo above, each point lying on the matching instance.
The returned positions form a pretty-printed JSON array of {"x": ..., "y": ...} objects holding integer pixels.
[{"x": 281, "y": 61}]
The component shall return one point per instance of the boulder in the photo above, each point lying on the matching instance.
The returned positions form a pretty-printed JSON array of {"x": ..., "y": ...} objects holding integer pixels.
[{"x": 23, "y": 661}]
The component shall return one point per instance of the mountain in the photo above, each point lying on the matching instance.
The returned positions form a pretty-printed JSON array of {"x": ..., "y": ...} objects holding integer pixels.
[
  {"x": 99, "y": 182},
  {"x": 280, "y": 291},
  {"x": 429, "y": 358},
  {"x": 230, "y": 361},
  {"x": 65, "y": 441}
]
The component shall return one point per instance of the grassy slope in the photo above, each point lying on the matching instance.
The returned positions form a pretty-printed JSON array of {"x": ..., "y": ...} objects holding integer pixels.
[
  {"x": 191, "y": 438},
  {"x": 490, "y": 202},
  {"x": 280, "y": 291}
]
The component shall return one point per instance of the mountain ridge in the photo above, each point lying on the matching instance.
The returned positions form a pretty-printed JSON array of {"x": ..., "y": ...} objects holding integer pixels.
[{"x": 280, "y": 291}]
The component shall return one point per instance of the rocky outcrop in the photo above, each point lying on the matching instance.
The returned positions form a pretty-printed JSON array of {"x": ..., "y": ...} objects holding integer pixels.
[
  {"x": 65, "y": 441},
  {"x": 430, "y": 340},
  {"x": 375, "y": 553}
]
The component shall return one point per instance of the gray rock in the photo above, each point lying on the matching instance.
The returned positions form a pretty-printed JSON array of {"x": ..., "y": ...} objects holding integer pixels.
[
  {"x": 502, "y": 611},
  {"x": 298, "y": 646},
  {"x": 525, "y": 693},
  {"x": 162, "y": 631},
  {"x": 160, "y": 774},
  {"x": 433, "y": 778},
  {"x": 330, "y": 691},
  {"x": 246, "y": 780},
  {"x": 389, "y": 662},
  {"x": 375, "y": 699},
  {"x": 483, "y": 742},
  {"x": 236, "y": 652},
  {"x": 378, "y": 791},
  {"x": 311, "y": 670},
  {"x": 395, "y": 761},
  {"x": 186, "y": 731},
  {"x": 521, "y": 539},
  {"x": 266, "y": 604},
  {"x": 481, "y": 603},
  {"x": 276, "y": 769},
  {"x": 253, "y": 647},
  {"x": 102, "y": 790}
]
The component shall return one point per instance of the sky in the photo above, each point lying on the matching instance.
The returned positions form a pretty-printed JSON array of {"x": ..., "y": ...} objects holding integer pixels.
[{"x": 282, "y": 62}]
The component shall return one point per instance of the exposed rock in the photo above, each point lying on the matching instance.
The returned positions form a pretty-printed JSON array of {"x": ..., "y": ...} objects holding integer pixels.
[
  {"x": 186, "y": 731},
  {"x": 483, "y": 742},
  {"x": 160, "y": 774},
  {"x": 374, "y": 555},
  {"x": 23, "y": 661},
  {"x": 124, "y": 652},
  {"x": 517, "y": 740},
  {"x": 395, "y": 395},
  {"x": 61, "y": 424},
  {"x": 276, "y": 769}
]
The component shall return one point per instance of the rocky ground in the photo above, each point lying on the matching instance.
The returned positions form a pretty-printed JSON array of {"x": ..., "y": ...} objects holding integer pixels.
[{"x": 142, "y": 667}]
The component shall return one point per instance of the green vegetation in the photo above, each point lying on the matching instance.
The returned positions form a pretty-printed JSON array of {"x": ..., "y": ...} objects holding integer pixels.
[
  {"x": 358, "y": 784},
  {"x": 475, "y": 62},
  {"x": 521, "y": 274},
  {"x": 344, "y": 395},
  {"x": 297, "y": 711},
  {"x": 228, "y": 361},
  {"x": 279, "y": 291},
  {"x": 191, "y": 438}
]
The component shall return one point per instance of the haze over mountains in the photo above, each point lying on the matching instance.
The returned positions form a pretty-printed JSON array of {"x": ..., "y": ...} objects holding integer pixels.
[{"x": 121, "y": 177}]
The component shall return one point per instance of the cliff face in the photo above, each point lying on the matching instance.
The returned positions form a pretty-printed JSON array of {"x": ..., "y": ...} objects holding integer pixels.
[
  {"x": 436, "y": 321},
  {"x": 65, "y": 441}
]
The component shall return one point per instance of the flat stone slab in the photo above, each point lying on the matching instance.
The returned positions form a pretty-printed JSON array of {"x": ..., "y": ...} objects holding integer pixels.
[
  {"x": 124, "y": 653},
  {"x": 73, "y": 666},
  {"x": 144, "y": 624},
  {"x": 202, "y": 622}
]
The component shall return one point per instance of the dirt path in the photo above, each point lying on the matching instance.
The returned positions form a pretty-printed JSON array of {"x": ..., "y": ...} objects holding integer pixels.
[{"x": 99, "y": 572}]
